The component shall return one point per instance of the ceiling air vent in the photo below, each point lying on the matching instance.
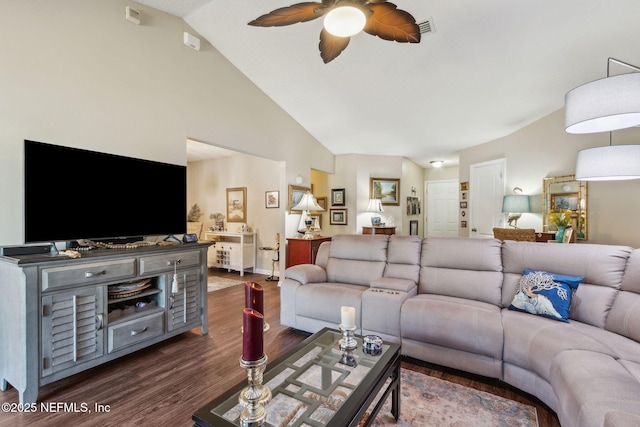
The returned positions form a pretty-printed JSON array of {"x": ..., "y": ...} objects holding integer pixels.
[{"x": 426, "y": 26}]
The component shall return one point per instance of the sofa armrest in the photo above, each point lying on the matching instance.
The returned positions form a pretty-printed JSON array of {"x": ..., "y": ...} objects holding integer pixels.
[
  {"x": 306, "y": 273},
  {"x": 393, "y": 284}
]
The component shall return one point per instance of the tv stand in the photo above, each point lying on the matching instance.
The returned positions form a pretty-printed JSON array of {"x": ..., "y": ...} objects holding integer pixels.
[{"x": 103, "y": 305}]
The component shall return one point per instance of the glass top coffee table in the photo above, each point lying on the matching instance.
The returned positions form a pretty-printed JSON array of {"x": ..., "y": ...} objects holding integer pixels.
[{"x": 316, "y": 384}]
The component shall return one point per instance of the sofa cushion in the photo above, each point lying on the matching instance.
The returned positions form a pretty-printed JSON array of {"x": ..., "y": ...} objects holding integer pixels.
[
  {"x": 353, "y": 271},
  {"x": 592, "y": 384},
  {"x": 359, "y": 247},
  {"x": 602, "y": 266},
  {"x": 545, "y": 294},
  {"x": 322, "y": 301},
  {"x": 532, "y": 342},
  {"x": 462, "y": 267},
  {"x": 393, "y": 284},
  {"x": 457, "y": 323},
  {"x": 357, "y": 259},
  {"x": 306, "y": 273},
  {"x": 403, "y": 257},
  {"x": 624, "y": 317}
]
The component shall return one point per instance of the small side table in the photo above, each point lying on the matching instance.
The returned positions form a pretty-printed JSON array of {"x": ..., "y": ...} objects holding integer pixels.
[
  {"x": 379, "y": 230},
  {"x": 303, "y": 251}
]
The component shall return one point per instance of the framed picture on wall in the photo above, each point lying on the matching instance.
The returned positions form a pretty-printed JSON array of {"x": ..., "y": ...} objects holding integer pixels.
[
  {"x": 338, "y": 217},
  {"x": 337, "y": 197},
  {"x": 413, "y": 206},
  {"x": 413, "y": 227},
  {"x": 237, "y": 204},
  {"x": 295, "y": 195},
  {"x": 385, "y": 189},
  {"x": 271, "y": 199},
  {"x": 322, "y": 202}
]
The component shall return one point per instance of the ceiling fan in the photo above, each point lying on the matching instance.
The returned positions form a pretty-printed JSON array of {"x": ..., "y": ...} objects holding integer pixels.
[{"x": 345, "y": 18}]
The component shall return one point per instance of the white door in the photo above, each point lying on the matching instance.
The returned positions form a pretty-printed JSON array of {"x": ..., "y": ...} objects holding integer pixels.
[
  {"x": 442, "y": 208},
  {"x": 486, "y": 190}
]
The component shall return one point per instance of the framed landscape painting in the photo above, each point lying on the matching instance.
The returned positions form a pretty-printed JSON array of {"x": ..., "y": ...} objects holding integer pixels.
[
  {"x": 385, "y": 189},
  {"x": 295, "y": 195}
]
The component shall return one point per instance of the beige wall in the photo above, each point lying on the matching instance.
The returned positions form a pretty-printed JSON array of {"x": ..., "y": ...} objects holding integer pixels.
[
  {"x": 544, "y": 149},
  {"x": 353, "y": 173},
  {"x": 208, "y": 181},
  {"x": 76, "y": 73}
]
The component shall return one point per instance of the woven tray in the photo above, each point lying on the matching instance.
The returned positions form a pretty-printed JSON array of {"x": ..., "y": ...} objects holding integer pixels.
[{"x": 124, "y": 290}]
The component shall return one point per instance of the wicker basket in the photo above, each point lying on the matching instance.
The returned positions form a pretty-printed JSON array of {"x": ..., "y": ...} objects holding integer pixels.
[{"x": 519, "y": 234}]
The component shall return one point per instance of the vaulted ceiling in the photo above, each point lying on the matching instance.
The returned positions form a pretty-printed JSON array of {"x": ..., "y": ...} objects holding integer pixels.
[{"x": 487, "y": 68}]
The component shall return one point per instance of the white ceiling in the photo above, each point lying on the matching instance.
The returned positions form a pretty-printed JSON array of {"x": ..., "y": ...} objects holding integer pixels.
[{"x": 490, "y": 68}]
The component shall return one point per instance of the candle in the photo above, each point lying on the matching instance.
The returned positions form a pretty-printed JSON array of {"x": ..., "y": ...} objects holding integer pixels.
[
  {"x": 254, "y": 297},
  {"x": 252, "y": 335},
  {"x": 348, "y": 318}
]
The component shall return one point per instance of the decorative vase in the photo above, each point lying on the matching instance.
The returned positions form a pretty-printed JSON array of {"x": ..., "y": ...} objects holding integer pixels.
[{"x": 560, "y": 234}]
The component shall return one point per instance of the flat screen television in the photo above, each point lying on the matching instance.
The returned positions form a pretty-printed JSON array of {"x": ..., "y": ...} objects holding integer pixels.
[{"x": 72, "y": 194}]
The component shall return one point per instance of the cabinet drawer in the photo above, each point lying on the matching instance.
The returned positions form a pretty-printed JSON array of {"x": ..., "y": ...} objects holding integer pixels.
[
  {"x": 134, "y": 331},
  {"x": 165, "y": 262},
  {"x": 88, "y": 274}
]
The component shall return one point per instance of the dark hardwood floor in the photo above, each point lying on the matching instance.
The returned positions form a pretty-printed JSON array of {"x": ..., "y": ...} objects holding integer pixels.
[{"x": 164, "y": 384}]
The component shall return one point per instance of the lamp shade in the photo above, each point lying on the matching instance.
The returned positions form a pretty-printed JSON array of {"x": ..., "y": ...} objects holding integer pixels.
[
  {"x": 518, "y": 203},
  {"x": 604, "y": 105},
  {"x": 375, "y": 205},
  {"x": 609, "y": 163},
  {"x": 307, "y": 203}
]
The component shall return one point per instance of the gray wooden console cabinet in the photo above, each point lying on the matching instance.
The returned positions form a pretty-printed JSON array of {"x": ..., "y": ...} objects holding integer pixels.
[{"x": 58, "y": 318}]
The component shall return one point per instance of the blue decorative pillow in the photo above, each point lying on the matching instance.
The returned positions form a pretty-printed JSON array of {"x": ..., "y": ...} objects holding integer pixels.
[{"x": 545, "y": 294}]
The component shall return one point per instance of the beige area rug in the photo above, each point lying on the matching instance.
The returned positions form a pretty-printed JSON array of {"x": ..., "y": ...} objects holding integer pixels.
[
  {"x": 216, "y": 283},
  {"x": 426, "y": 401}
]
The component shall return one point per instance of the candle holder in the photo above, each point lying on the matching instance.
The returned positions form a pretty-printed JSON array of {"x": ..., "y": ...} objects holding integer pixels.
[
  {"x": 348, "y": 342},
  {"x": 348, "y": 358},
  {"x": 255, "y": 396}
]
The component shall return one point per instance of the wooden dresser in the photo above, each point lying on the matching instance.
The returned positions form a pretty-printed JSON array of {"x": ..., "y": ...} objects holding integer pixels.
[{"x": 303, "y": 251}]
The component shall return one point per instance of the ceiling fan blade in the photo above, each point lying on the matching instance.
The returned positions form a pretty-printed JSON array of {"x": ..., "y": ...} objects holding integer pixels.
[
  {"x": 331, "y": 46},
  {"x": 390, "y": 23},
  {"x": 300, "y": 12}
]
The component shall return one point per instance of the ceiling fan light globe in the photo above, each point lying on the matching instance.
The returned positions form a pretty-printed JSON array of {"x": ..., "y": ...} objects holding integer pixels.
[{"x": 345, "y": 21}]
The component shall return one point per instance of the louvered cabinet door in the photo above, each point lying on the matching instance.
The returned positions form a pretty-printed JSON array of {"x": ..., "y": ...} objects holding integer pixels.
[
  {"x": 72, "y": 330},
  {"x": 184, "y": 306}
]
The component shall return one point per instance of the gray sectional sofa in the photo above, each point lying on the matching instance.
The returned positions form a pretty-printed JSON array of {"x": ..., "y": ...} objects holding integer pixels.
[{"x": 447, "y": 301}]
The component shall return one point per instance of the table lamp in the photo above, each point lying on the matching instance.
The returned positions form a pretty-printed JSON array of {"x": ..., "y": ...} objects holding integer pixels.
[
  {"x": 306, "y": 204},
  {"x": 375, "y": 205},
  {"x": 515, "y": 206}
]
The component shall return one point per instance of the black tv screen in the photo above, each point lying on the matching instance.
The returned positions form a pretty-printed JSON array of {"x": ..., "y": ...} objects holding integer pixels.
[{"x": 72, "y": 194}]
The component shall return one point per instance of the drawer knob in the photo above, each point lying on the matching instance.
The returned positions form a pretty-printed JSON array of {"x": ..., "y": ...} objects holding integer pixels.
[
  {"x": 138, "y": 331},
  {"x": 92, "y": 274}
]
